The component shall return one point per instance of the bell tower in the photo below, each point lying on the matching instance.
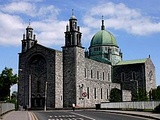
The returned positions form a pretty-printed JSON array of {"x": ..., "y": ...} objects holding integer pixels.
[
  {"x": 73, "y": 34},
  {"x": 28, "y": 39},
  {"x": 73, "y": 63}
]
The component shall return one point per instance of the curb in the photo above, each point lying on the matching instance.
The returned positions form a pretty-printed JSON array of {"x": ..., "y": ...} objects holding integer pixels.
[{"x": 132, "y": 114}]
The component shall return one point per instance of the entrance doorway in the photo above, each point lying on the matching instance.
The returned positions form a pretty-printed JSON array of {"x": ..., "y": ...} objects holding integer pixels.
[{"x": 37, "y": 102}]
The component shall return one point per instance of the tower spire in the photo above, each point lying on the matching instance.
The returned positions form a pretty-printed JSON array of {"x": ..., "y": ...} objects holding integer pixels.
[
  {"x": 72, "y": 12},
  {"x": 102, "y": 27},
  {"x": 29, "y": 21},
  {"x": 72, "y": 16},
  {"x": 73, "y": 34}
]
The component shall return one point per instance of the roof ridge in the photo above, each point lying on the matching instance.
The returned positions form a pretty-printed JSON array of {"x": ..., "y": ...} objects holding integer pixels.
[{"x": 136, "y": 61}]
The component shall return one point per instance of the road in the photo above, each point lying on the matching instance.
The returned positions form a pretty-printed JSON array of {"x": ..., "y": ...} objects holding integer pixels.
[{"x": 82, "y": 115}]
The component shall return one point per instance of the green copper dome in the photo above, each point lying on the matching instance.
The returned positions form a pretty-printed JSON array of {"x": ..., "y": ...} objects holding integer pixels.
[
  {"x": 104, "y": 48},
  {"x": 103, "y": 38}
]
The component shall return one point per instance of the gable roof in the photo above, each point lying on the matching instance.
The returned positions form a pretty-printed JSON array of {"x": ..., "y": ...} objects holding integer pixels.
[{"x": 128, "y": 62}]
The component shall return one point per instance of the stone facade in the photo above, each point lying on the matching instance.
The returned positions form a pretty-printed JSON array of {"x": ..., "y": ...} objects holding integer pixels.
[
  {"x": 60, "y": 78},
  {"x": 40, "y": 65},
  {"x": 150, "y": 77},
  {"x": 135, "y": 74}
]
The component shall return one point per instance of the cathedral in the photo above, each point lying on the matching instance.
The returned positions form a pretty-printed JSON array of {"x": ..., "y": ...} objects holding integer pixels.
[{"x": 56, "y": 79}]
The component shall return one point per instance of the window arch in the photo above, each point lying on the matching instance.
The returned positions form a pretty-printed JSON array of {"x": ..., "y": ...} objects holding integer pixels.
[
  {"x": 122, "y": 77},
  {"x": 133, "y": 75},
  {"x": 91, "y": 73}
]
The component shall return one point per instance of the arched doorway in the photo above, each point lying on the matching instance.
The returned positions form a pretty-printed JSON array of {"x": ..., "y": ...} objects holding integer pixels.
[
  {"x": 38, "y": 73},
  {"x": 37, "y": 101}
]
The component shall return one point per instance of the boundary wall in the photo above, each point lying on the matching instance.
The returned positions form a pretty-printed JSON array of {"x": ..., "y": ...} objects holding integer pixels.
[
  {"x": 6, "y": 107},
  {"x": 142, "y": 105}
]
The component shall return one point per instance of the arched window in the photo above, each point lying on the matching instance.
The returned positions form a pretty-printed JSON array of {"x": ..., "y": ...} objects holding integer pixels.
[
  {"x": 88, "y": 92},
  {"x": 133, "y": 75},
  {"x": 122, "y": 77},
  {"x": 108, "y": 77},
  {"x": 107, "y": 94},
  {"x": 38, "y": 86},
  {"x": 95, "y": 93},
  {"x": 103, "y": 75},
  {"x": 85, "y": 72},
  {"x": 97, "y": 74},
  {"x": 91, "y": 74},
  {"x": 101, "y": 93}
]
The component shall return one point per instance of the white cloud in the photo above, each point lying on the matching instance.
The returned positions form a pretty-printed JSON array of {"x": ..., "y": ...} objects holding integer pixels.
[
  {"x": 19, "y": 7},
  {"x": 12, "y": 25},
  {"x": 30, "y": 9},
  {"x": 119, "y": 16},
  {"x": 50, "y": 33},
  {"x": 10, "y": 28}
]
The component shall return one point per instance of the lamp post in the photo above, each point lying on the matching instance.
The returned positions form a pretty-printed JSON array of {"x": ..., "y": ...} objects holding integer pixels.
[
  {"x": 151, "y": 94},
  {"x": 29, "y": 105},
  {"x": 17, "y": 85},
  {"x": 136, "y": 87},
  {"x": 45, "y": 101}
]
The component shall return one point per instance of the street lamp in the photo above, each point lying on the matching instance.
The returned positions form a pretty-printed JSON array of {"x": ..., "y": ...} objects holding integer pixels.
[
  {"x": 45, "y": 102},
  {"x": 151, "y": 94},
  {"x": 30, "y": 84},
  {"x": 136, "y": 87}
]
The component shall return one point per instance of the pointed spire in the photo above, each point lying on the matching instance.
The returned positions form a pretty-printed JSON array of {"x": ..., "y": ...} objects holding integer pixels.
[
  {"x": 67, "y": 28},
  {"x": 29, "y": 24},
  {"x": 102, "y": 27},
  {"x": 72, "y": 13},
  {"x": 73, "y": 17},
  {"x": 29, "y": 21}
]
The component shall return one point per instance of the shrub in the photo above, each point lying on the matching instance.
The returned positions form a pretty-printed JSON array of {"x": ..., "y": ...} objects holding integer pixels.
[{"x": 157, "y": 109}]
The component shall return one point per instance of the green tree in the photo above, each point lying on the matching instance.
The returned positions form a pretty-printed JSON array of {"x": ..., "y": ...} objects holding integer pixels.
[
  {"x": 155, "y": 93},
  {"x": 141, "y": 95},
  {"x": 115, "y": 95},
  {"x": 7, "y": 79}
]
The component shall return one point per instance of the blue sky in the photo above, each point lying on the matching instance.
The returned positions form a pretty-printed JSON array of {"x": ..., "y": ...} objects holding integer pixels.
[{"x": 134, "y": 23}]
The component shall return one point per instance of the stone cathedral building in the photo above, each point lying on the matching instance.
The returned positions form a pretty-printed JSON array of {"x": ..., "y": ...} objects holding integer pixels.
[{"x": 59, "y": 78}]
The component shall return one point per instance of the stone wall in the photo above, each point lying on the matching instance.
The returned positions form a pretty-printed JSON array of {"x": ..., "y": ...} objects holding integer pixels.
[
  {"x": 41, "y": 71},
  {"x": 97, "y": 83},
  {"x": 69, "y": 73},
  {"x": 150, "y": 75},
  {"x": 58, "y": 80},
  {"x": 128, "y": 81},
  {"x": 127, "y": 96},
  {"x": 142, "y": 105}
]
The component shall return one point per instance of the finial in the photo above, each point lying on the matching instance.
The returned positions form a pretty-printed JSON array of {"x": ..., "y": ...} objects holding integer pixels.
[
  {"x": 102, "y": 27},
  {"x": 73, "y": 17},
  {"x": 29, "y": 21},
  {"x": 72, "y": 12},
  {"x": 67, "y": 28},
  {"x": 102, "y": 17}
]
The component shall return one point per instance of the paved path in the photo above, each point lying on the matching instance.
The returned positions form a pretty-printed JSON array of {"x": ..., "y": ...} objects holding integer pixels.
[{"x": 16, "y": 115}]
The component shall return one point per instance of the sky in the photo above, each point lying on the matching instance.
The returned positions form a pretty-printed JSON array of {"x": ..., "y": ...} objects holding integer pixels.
[{"x": 134, "y": 23}]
